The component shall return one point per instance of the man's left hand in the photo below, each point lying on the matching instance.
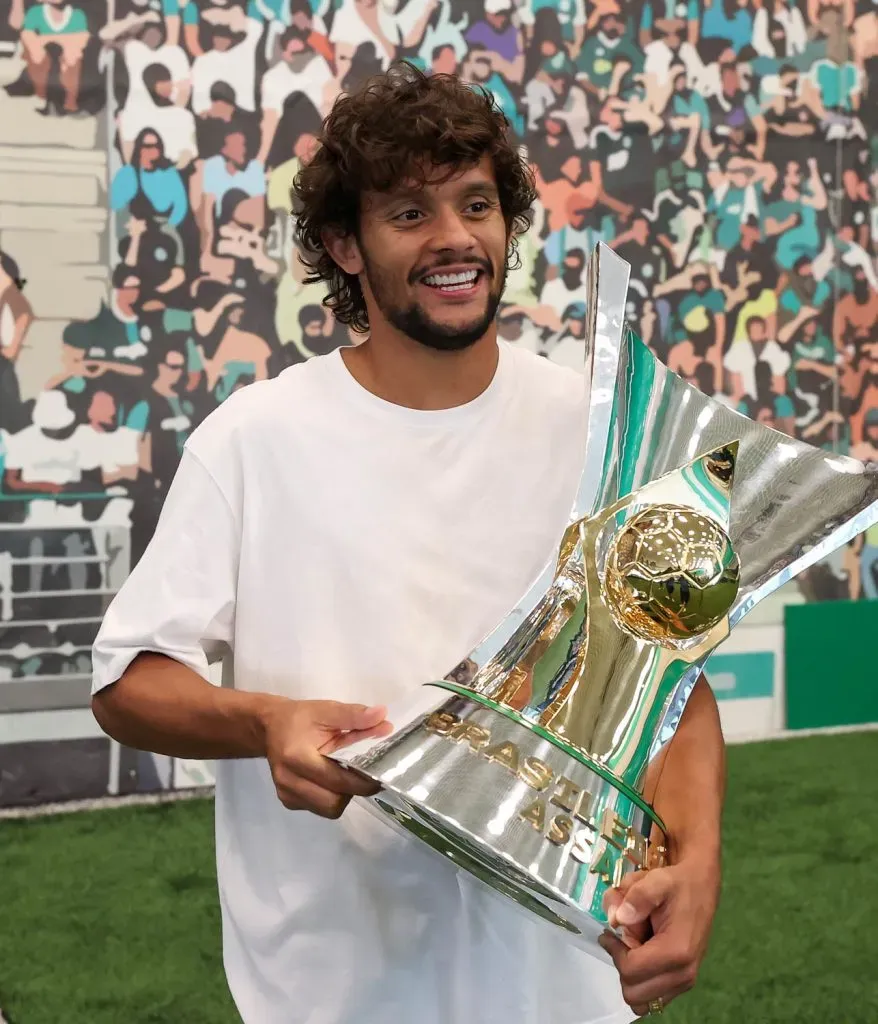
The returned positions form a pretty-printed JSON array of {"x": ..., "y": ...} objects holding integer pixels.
[{"x": 666, "y": 916}]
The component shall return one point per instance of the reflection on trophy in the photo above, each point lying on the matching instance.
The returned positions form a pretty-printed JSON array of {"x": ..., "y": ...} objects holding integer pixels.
[{"x": 526, "y": 764}]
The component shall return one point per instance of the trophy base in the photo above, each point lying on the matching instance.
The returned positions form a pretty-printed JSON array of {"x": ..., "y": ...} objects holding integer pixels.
[{"x": 514, "y": 809}]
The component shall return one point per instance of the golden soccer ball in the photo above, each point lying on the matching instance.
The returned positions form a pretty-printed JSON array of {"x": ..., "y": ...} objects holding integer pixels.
[{"x": 671, "y": 573}]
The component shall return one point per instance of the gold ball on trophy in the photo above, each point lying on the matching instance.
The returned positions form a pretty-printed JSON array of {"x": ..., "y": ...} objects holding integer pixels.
[{"x": 671, "y": 573}]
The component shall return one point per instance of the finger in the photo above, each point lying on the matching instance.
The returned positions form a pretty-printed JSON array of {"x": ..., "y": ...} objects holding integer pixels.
[
  {"x": 346, "y": 739},
  {"x": 665, "y": 987},
  {"x": 666, "y": 953},
  {"x": 301, "y": 795},
  {"x": 324, "y": 772},
  {"x": 644, "y": 894},
  {"x": 640, "y": 991},
  {"x": 616, "y": 948},
  {"x": 632, "y": 935},
  {"x": 332, "y": 714}
]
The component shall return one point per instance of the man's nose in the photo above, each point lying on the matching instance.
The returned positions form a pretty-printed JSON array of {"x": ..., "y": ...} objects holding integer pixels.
[{"x": 452, "y": 231}]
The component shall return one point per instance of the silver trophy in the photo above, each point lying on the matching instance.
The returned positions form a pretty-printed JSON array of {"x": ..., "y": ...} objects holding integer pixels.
[{"x": 526, "y": 764}]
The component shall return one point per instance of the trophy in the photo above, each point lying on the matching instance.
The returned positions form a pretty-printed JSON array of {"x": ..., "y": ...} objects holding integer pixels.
[{"x": 526, "y": 765}]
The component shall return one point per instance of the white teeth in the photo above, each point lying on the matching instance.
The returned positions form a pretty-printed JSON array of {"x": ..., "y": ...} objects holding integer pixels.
[{"x": 451, "y": 279}]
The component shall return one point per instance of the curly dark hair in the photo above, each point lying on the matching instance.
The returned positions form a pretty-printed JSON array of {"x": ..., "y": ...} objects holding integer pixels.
[{"x": 400, "y": 125}]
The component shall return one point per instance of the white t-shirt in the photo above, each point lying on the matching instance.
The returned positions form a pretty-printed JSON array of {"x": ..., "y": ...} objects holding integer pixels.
[
  {"x": 43, "y": 459},
  {"x": 138, "y": 56},
  {"x": 338, "y": 546},
  {"x": 174, "y": 125},
  {"x": 282, "y": 81},
  {"x": 349, "y": 29},
  {"x": 741, "y": 358},
  {"x": 235, "y": 66}
]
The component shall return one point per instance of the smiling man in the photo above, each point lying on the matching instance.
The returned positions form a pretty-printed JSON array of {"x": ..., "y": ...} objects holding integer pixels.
[{"x": 347, "y": 531}]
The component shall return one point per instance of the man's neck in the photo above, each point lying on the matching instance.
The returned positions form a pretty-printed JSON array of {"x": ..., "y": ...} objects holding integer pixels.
[{"x": 407, "y": 373}]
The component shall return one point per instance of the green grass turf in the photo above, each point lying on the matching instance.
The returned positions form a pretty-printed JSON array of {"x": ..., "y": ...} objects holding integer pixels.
[{"x": 110, "y": 917}]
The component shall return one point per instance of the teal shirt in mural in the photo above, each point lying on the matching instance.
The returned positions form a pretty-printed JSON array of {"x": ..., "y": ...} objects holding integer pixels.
[
  {"x": 837, "y": 84},
  {"x": 598, "y": 56},
  {"x": 803, "y": 239},
  {"x": 37, "y": 20},
  {"x": 712, "y": 300}
]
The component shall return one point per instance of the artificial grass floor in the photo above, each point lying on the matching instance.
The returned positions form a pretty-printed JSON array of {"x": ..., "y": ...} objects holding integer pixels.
[{"x": 110, "y": 917}]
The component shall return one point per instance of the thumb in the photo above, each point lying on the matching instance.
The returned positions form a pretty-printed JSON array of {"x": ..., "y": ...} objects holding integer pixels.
[
  {"x": 647, "y": 891},
  {"x": 341, "y": 717}
]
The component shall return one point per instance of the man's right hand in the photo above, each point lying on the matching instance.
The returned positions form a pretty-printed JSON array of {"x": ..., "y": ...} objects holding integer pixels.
[{"x": 299, "y": 734}]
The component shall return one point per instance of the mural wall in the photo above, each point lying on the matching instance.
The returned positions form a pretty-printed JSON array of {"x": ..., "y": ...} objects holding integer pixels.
[{"x": 724, "y": 148}]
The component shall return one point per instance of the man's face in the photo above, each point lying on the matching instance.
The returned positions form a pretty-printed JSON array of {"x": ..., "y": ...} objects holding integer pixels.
[
  {"x": 235, "y": 148},
  {"x": 756, "y": 330},
  {"x": 480, "y": 69},
  {"x": 305, "y": 146},
  {"x": 445, "y": 62},
  {"x": 102, "y": 412},
  {"x": 499, "y": 19},
  {"x": 701, "y": 283},
  {"x": 612, "y": 117},
  {"x": 127, "y": 295},
  {"x": 749, "y": 234},
  {"x": 294, "y": 50},
  {"x": 151, "y": 37},
  {"x": 454, "y": 229},
  {"x": 612, "y": 27}
]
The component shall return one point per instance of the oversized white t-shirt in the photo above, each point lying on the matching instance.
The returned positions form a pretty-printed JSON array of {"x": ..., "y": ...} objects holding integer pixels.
[{"x": 333, "y": 545}]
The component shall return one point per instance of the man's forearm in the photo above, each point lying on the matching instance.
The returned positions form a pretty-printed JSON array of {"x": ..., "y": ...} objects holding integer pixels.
[
  {"x": 164, "y": 707},
  {"x": 687, "y": 786}
]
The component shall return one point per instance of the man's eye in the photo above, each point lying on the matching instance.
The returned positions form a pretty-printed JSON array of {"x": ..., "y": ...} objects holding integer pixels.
[{"x": 405, "y": 214}]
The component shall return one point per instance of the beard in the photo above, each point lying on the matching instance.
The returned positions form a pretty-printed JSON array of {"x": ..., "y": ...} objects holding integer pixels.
[{"x": 416, "y": 323}]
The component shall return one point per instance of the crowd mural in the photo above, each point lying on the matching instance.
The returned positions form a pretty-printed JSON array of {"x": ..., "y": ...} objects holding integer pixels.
[{"x": 726, "y": 149}]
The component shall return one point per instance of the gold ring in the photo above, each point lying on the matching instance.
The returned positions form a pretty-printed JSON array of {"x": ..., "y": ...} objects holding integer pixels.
[{"x": 656, "y": 1007}]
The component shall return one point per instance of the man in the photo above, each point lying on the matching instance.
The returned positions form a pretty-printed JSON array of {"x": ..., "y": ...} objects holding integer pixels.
[
  {"x": 60, "y": 23},
  {"x": 346, "y": 532}
]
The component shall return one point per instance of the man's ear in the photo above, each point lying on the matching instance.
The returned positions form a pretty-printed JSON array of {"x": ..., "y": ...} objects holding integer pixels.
[{"x": 344, "y": 249}]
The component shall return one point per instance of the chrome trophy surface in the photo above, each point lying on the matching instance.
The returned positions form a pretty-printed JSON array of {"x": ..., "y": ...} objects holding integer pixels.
[{"x": 527, "y": 764}]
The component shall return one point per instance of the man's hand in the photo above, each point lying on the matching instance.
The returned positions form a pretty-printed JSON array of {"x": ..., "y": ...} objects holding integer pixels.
[
  {"x": 298, "y": 736},
  {"x": 666, "y": 916}
]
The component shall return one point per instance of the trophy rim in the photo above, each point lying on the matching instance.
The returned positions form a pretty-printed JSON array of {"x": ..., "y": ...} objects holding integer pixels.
[{"x": 567, "y": 748}]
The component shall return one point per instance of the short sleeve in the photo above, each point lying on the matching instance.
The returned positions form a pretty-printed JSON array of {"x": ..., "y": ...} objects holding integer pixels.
[
  {"x": 212, "y": 177},
  {"x": 138, "y": 418},
  {"x": 751, "y": 106},
  {"x": 783, "y": 407},
  {"x": 78, "y": 21},
  {"x": 32, "y": 20},
  {"x": 17, "y": 448},
  {"x": 275, "y": 88},
  {"x": 180, "y": 598}
]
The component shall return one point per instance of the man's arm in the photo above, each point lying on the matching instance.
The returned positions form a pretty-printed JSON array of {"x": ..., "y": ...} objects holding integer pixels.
[
  {"x": 163, "y": 706},
  {"x": 175, "y": 613},
  {"x": 689, "y": 780},
  {"x": 667, "y": 913}
]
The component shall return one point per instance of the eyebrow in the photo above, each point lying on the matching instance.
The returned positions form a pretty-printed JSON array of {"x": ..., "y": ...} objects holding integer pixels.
[{"x": 483, "y": 186}]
